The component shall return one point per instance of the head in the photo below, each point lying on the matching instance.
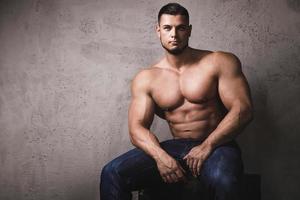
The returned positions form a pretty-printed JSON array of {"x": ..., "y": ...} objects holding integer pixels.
[{"x": 173, "y": 28}]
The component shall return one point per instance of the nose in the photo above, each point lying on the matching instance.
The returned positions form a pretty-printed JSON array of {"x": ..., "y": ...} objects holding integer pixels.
[{"x": 173, "y": 32}]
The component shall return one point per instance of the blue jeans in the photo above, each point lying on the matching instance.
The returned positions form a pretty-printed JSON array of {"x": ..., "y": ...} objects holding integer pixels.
[{"x": 219, "y": 176}]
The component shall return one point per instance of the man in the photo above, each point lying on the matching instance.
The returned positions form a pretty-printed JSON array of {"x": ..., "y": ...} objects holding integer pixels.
[{"x": 205, "y": 99}]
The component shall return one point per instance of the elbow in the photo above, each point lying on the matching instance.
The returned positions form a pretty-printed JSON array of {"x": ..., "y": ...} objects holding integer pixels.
[
  {"x": 247, "y": 114},
  {"x": 132, "y": 138},
  {"x": 249, "y": 117},
  {"x": 135, "y": 136}
]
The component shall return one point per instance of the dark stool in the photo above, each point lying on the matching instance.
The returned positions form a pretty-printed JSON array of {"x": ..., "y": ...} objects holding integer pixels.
[
  {"x": 251, "y": 187},
  {"x": 192, "y": 190}
]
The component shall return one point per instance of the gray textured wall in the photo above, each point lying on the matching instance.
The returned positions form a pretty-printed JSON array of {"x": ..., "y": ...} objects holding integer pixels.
[{"x": 65, "y": 71}]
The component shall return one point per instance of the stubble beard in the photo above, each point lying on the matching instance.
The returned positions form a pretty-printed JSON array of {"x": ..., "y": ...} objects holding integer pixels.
[{"x": 175, "y": 51}]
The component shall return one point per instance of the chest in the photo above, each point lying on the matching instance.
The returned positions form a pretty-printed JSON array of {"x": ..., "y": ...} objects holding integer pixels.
[{"x": 171, "y": 90}]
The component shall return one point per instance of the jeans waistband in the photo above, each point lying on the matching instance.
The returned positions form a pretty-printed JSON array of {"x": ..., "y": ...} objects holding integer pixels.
[{"x": 229, "y": 143}]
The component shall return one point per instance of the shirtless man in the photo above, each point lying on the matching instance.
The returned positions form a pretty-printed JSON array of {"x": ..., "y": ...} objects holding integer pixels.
[{"x": 205, "y": 99}]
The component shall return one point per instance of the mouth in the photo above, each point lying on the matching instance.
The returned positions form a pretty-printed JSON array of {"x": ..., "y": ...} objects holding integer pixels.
[{"x": 174, "y": 42}]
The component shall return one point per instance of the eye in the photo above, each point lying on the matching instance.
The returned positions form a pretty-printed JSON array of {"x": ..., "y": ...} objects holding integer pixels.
[
  {"x": 167, "y": 28},
  {"x": 182, "y": 28}
]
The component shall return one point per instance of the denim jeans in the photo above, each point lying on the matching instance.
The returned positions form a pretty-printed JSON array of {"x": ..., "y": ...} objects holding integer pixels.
[{"x": 219, "y": 176}]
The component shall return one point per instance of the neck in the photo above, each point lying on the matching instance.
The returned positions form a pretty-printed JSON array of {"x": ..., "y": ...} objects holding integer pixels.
[{"x": 180, "y": 60}]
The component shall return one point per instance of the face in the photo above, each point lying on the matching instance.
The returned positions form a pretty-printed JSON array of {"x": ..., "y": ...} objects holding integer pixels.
[{"x": 174, "y": 32}]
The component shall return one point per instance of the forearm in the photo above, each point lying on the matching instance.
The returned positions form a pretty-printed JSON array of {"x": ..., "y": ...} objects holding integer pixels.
[
  {"x": 144, "y": 139},
  {"x": 231, "y": 125}
]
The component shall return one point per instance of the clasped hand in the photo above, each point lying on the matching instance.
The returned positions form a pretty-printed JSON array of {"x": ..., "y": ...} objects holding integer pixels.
[
  {"x": 195, "y": 158},
  {"x": 171, "y": 171}
]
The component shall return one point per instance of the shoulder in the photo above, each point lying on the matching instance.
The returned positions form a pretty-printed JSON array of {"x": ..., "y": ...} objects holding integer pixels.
[
  {"x": 222, "y": 58},
  {"x": 145, "y": 75},
  {"x": 226, "y": 62},
  {"x": 142, "y": 80}
]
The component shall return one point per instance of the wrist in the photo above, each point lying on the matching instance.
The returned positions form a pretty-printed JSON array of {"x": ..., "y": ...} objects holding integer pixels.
[
  {"x": 159, "y": 154},
  {"x": 207, "y": 146}
]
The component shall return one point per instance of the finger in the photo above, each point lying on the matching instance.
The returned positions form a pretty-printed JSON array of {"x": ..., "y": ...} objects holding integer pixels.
[
  {"x": 180, "y": 174},
  {"x": 195, "y": 164},
  {"x": 191, "y": 165},
  {"x": 169, "y": 179},
  {"x": 185, "y": 157},
  {"x": 188, "y": 160},
  {"x": 164, "y": 179},
  {"x": 182, "y": 170},
  {"x": 174, "y": 177},
  {"x": 199, "y": 167}
]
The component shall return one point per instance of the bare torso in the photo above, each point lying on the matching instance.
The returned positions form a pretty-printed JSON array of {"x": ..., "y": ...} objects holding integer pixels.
[
  {"x": 188, "y": 99},
  {"x": 201, "y": 94}
]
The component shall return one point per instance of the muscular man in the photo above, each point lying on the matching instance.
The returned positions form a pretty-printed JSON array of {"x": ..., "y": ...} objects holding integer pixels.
[{"x": 205, "y": 99}]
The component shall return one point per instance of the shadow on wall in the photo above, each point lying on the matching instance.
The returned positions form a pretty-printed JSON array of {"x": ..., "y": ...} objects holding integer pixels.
[
  {"x": 272, "y": 134},
  {"x": 82, "y": 190},
  {"x": 254, "y": 140}
]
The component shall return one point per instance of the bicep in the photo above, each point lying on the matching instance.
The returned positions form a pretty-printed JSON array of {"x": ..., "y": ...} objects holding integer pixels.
[
  {"x": 141, "y": 111},
  {"x": 233, "y": 87}
]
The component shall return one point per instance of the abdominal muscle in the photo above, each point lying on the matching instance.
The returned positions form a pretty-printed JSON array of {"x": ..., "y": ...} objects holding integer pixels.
[{"x": 194, "y": 121}]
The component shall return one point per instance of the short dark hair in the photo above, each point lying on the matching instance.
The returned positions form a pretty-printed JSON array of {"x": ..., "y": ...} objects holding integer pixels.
[{"x": 173, "y": 9}]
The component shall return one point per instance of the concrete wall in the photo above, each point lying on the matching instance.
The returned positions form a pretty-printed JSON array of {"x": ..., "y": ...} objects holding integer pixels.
[{"x": 65, "y": 71}]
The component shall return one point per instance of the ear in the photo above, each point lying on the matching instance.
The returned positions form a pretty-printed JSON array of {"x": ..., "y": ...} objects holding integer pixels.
[
  {"x": 157, "y": 29},
  {"x": 190, "y": 30}
]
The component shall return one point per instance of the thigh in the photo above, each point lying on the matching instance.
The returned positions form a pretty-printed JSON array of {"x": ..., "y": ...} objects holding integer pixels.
[
  {"x": 138, "y": 170},
  {"x": 225, "y": 161}
]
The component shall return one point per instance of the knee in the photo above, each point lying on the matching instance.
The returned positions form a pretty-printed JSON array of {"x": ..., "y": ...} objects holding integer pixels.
[{"x": 109, "y": 170}]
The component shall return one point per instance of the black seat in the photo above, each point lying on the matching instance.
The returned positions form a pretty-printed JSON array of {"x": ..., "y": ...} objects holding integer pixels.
[{"x": 191, "y": 190}]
